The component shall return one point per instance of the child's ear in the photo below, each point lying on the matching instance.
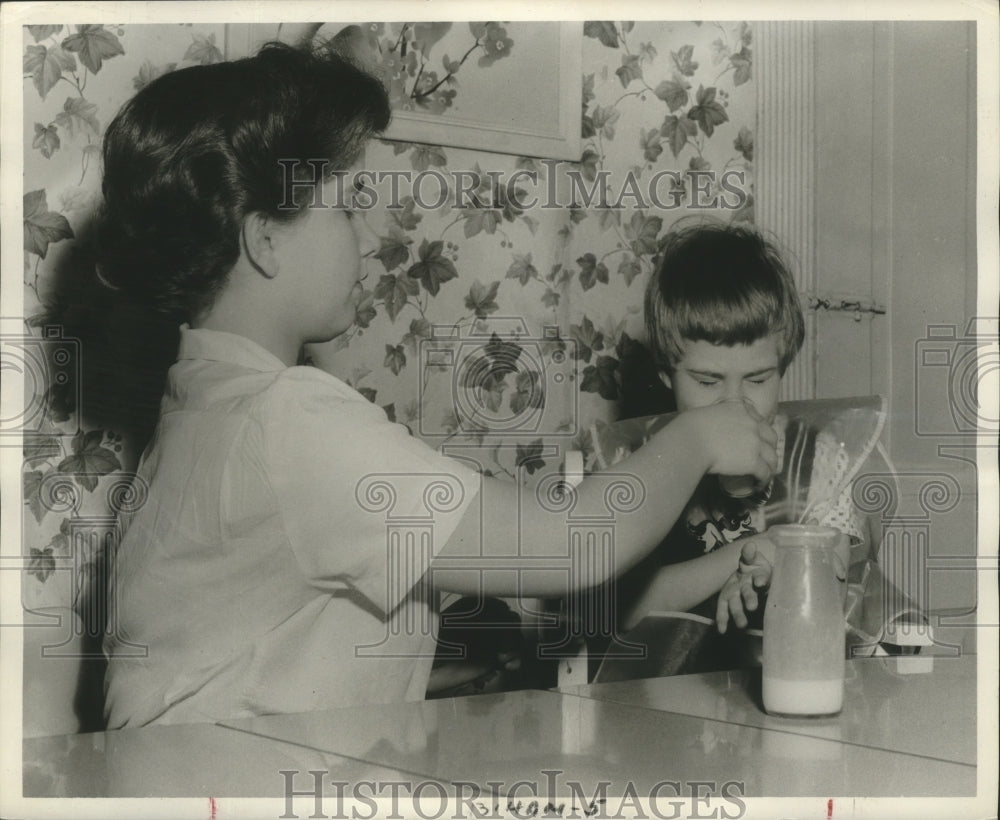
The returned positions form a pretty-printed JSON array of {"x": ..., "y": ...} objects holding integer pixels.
[
  {"x": 257, "y": 239},
  {"x": 665, "y": 378}
]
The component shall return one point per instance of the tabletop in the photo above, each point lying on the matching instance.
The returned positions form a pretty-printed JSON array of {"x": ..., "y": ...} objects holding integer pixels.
[
  {"x": 910, "y": 735},
  {"x": 930, "y": 714}
]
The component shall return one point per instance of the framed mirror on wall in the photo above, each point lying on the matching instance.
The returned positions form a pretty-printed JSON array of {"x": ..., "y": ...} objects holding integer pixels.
[{"x": 511, "y": 88}]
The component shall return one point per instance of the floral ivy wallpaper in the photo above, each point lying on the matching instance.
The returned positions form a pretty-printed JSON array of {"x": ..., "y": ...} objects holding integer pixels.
[{"x": 498, "y": 330}]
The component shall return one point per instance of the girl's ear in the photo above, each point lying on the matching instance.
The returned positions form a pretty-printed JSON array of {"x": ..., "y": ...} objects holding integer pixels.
[
  {"x": 665, "y": 378},
  {"x": 257, "y": 239}
]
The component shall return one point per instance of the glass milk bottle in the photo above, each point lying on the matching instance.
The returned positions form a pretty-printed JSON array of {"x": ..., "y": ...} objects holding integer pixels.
[{"x": 804, "y": 636}]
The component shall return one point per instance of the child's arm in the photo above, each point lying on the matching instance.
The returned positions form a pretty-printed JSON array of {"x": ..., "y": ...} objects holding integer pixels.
[
  {"x": 727, "y": 438},
  {"x": 681, "y": 586}
]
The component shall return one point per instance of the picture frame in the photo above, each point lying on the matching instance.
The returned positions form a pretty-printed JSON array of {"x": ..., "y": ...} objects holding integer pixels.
[{"x": 525, "y": 103}]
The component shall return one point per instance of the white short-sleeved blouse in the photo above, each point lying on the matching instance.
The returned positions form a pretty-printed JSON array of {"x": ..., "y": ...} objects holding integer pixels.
[{"x": 274, "y": 561}]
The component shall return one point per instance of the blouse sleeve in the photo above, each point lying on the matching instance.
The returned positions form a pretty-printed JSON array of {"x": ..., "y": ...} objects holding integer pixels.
[{"x": 365, "y": 506}]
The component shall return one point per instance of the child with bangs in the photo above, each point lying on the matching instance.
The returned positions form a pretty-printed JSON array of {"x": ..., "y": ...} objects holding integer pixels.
[{"x": 724, "y": 322}]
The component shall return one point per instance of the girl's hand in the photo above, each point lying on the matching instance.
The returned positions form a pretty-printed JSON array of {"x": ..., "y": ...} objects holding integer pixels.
[
  {"x": 736, "y": 438},
  {"x": 739, "y": 593}
]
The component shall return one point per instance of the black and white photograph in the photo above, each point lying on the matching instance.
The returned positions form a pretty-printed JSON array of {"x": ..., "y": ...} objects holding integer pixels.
[{"x": 408, "y": 415}]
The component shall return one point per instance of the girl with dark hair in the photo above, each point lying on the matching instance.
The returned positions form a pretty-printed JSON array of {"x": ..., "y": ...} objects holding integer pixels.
[{"x": 260, "y": 569}]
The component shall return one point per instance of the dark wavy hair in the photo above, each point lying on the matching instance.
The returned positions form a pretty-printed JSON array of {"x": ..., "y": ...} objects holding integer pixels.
[
  {"x": 198, "y": 149},
  {"x": 725, "y": 284}
]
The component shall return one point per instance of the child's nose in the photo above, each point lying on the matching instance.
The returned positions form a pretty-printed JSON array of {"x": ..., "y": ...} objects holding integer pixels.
[{"x": 735, "y": 392}]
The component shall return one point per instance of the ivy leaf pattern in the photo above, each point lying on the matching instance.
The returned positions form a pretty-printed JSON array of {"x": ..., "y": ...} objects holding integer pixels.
[
  {"x": 742, "y": 66},
  {"x": 149, "y": 72},
  {"x": 588, "y": 164},
  {"x": 490, "y": 389},
  {"x": 708, "y": 113},
  {"x": 605, "y": 119},
  {"x": 42, "y": 227},
  {"x": 673, "y": 93},
  {"x": 479, "y": 220},
  {"x": 591, "y": 271},
  {"x": 203, "y": 50},
  {"x": 719, "y": 51},
  {"x": 90, "y": 459},
  {"x": 601, "y": 378},
  {"x": 744, "y": 143},
  {"x": 630, "y": 69},
  {"x": 395, "y": 249},
  {"x": 78, "y": 117},
  {"x": 94, "y": 44},
  {"x": 395, "y": 291},
  {"x": 419, "y": 329},
  {"x": 522, "y": 269},
  {"x": 406, "y": 217},
  {"x": 433, "y": 268},
  {"x": 587, "y": 338},
  {"x": 502, "y": 355},
  {"x": 46, "y": 139},
  {"x": 37, "y": 448},
  {"x": 609, "y": 218},
  {"x": 528, "y": 393},
  {"x": 678, "y": 130},
  {"x": 603, "y": 31},
  {"x": 588, "y": 89},
  {"x": 46, "y": 66},
  {"x": 425, "y": 156},
  {"x": 395, "y": 358},
  {"x": 699, "y": 163},
  {"x": 41, "y": 564},
  {"x": 529, "y": 456},
  {"x": 482, "y": 300},
  {"x": 641, "y": 231},
  {"x": 32, "y": 484},
  {"x": 629, "y": 268},
  {"x": 649, "y": 141},
  {"x": 39, "y": 33},
  {"x": 682, "y": 59},
  {"x": 365, "y": 311}
]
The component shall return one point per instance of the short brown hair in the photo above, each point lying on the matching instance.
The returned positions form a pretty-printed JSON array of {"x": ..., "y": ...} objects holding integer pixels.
[{"x": 725, "y": 284}]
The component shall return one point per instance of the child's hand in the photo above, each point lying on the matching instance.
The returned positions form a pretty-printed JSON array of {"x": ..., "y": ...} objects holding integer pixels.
[
  {"x": 736, "y": 438},
  {"x": 739, "y": 593}
]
